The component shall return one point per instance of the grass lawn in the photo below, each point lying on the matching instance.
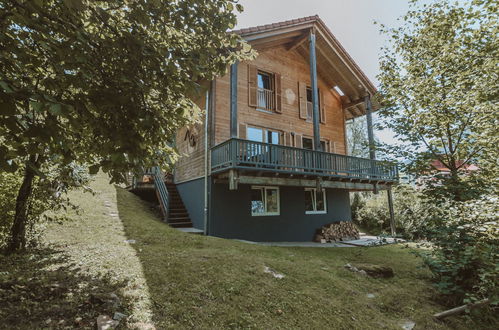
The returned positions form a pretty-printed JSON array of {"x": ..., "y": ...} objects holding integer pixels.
[{"x": 168, "y": 279}]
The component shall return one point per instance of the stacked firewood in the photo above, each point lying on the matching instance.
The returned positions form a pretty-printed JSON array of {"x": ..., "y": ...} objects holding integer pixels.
[{"x": 337, "y": 231}]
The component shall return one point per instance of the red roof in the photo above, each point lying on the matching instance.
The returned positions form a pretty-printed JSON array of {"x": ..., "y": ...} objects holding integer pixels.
[{"x": 267, "y": 27}]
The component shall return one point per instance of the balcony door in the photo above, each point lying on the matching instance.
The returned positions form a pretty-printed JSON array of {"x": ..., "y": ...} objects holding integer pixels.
[{"x": 260, "y": 152}]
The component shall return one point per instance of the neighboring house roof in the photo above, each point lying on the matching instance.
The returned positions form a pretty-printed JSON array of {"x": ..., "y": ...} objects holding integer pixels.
[
  {"x": 334, "y": 64},
  {"x": 439, "y": 166}
]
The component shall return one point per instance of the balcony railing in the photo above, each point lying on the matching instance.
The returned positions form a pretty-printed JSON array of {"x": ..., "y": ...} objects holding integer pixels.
[
  {"x": 244, "y": 154},
  {"x": 266, "y": 99}
]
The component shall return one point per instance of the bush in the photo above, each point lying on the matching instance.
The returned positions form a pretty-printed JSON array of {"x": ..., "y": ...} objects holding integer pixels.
[
  {"x": 463, "y": 255},
  {"x": 412, "y": 213},
  {"x": 49, "y": 195}
]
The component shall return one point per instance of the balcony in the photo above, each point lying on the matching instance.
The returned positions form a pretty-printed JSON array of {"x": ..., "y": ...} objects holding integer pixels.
[{"x": 271, "y": 159}]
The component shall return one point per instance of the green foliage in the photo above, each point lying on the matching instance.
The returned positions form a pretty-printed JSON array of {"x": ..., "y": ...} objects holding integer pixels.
[
  {"x": 48, "y": 197},
  {"x": 439, "y": 84},
  {"x": 412, "y": 213},
  {"x": 463, "y": 254},
  {"x": 106, "y": 82}
]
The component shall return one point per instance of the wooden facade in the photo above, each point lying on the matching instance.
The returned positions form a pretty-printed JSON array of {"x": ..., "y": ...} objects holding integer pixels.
[{"x": 272, "y": 96}]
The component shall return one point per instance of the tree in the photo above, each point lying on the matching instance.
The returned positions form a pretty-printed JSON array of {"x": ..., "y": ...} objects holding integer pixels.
[
  {"x": 103, "y": 83},
  {"x": 358, "y": 145},
  {"x": 439, "y": 82}
]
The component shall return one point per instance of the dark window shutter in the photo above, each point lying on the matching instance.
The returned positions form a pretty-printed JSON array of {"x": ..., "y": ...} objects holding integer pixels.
[
  {"x": 278, "y": 97},
  {"x": 242, "y": 131},
  {"x": 322, "y": 107},
  {"x": 252, "y": 85},
  {"x": 302, "y": 95}
]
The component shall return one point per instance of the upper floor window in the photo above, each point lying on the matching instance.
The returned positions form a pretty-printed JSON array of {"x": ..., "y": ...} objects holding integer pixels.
[
  {"x": 306, "y": 103},
  {"x": 310, "y": 107},
  {"x": 264, "y": 89}
]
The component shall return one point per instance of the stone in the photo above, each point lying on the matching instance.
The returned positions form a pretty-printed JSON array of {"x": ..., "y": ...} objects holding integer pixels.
[
  {"x": 105, "y": 322},
  {"x": 376, "y": 271},
  {"x": 408, "y": 325},
  {"x": 119, "y": 316},
  {"x": 273, "y": 272}
]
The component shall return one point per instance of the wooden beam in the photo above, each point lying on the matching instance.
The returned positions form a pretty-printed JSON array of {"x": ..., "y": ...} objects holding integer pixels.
[
  {"x": 233, "y": 180},
  {"x": 297, "y": 42},
  {"x": 245, "y": 179},
  {"x": 353, "y": 103}
]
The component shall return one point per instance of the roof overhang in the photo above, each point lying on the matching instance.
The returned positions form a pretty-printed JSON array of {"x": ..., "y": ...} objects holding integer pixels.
[{"x": 334, "y": 64}]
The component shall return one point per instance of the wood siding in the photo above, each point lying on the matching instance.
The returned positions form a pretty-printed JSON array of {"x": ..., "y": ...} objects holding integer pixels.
[
  {"x": 293, "y": 73},
  {"x": 190, "y": 164}
]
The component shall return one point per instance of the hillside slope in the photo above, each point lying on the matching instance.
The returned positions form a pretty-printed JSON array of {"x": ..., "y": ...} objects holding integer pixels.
[{"x": 168, "y": 279}]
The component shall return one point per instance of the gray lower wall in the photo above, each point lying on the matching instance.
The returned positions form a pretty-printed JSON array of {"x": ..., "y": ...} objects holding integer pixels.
[
  {"x": 230, "y": 215},
  {"x": 192, "y": 193}
]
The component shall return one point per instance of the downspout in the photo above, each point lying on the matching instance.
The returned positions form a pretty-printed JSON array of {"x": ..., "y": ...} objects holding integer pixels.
[{"x": 206, "y": 162}]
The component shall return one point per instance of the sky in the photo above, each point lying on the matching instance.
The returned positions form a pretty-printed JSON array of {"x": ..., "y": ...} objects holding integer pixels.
[{"x": 351, "y": 21}]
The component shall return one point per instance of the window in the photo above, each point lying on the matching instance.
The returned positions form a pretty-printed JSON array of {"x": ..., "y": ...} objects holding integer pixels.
[
  {"x": 258, "y": 134},
  {"x": 310, "y": 107},
  {"x": 265, "y": 91},
  {"x": 308, "y": 143},
  {"x": 264, "y": 201},
  {"x": 315, "y": 201}
]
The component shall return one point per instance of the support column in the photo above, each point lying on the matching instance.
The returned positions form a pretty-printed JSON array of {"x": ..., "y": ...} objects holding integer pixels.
[
  {"x": 315, "y": 92},
  {"x": 233, "y": 100},
  {"x": 370, "y": 135},
  {"x": 390, "y": 207}
]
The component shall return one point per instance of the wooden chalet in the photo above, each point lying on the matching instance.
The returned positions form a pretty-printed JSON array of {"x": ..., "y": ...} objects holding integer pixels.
[{"x": 269, "y": 162}]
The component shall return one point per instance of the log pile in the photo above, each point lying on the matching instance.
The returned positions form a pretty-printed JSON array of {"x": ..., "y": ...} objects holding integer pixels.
[{"x": 337, "y": 231}]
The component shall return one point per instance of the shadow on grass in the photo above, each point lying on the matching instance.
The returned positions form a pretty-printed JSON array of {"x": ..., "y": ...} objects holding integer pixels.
[{"x": 43, "y": 289}]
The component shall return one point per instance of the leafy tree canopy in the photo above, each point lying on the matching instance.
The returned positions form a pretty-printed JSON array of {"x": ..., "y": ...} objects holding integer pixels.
[
  {"x": 439, "y": 81},
  {"x": 106, "y": 82},
  {"x": 103, "y": 83}
]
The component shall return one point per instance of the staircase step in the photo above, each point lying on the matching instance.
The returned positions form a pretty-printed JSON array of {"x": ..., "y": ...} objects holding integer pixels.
[{"x": 180, "y": 224}]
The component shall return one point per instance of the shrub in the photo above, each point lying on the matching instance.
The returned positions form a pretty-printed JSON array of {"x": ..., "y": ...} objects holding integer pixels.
[
  {"x": 49, "y": 195},
  {"x": 463, "y": 255},
  {"x": 412, "y": 213}
]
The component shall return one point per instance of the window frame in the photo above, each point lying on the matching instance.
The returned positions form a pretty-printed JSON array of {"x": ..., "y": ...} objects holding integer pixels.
[
  {"x": 266, "y": 213},
  {"x": 314, "y": 201},
  {"x": 264, "y": 132},
  {"x": 272, "y": 82},
  {"x": 311, "y": 119},
  {"x": 326, "y": 143}
]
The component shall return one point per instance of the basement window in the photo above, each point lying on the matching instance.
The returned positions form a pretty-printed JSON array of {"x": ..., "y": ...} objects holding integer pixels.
[
  {"x": 264, "y": 201},
  {"x": 315, "y": 201}
]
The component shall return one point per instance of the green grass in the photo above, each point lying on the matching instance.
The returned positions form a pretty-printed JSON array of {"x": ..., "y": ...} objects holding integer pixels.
[{"x": 169, "y": 279}]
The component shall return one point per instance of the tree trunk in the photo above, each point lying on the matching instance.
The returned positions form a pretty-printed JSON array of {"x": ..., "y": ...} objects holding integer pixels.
[
  {"x": 18, "y": 230},
  {"x": 455, "y": 184}
]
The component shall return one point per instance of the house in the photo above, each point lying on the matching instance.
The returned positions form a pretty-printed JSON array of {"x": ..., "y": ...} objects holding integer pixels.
[
  {"x": 269, "y": 161},
  {"x": 438, "y": 171}
]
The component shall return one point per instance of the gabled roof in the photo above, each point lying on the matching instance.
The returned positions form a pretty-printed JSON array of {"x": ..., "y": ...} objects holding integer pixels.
[{"x": 334, "y": 64}]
